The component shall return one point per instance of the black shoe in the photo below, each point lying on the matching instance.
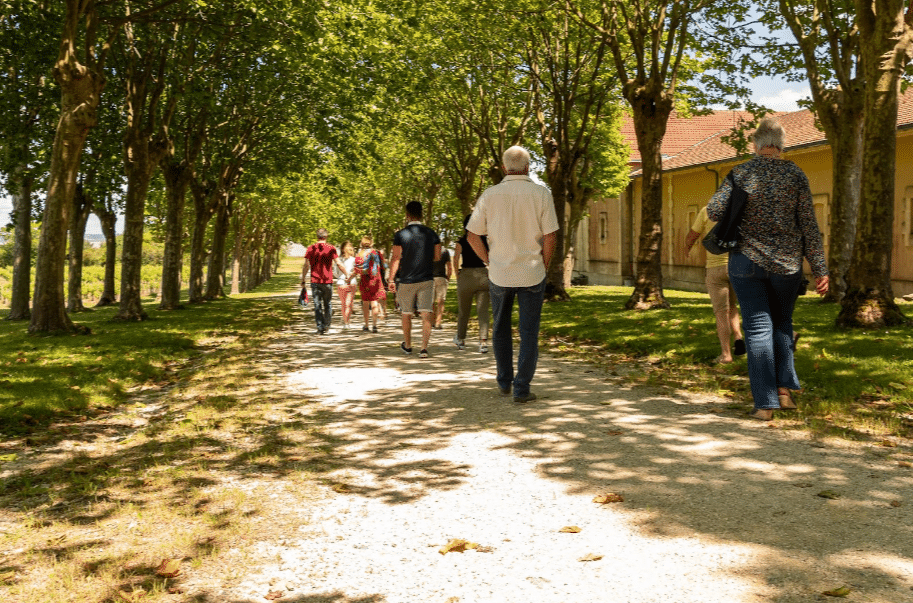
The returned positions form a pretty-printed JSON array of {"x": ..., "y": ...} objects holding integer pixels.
[
  {"x": 505, "y": 391},
  {"x": 739, "y": 347},
  {"x": 524, "y": 399},
  {"x": 405, "y": 350},
  {"x": 423, "y": 354},
  {"x": 319, "y": 331},
  {"x": 366, "y": 329},
  {"x": 374, "y": 330}
]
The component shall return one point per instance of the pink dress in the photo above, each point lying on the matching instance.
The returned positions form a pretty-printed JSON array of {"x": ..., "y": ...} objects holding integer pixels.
[{"x": 371, "y": 269}]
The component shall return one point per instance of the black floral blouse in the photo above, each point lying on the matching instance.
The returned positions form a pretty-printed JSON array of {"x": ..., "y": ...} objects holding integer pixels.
[{"x": 779, "y": 225}]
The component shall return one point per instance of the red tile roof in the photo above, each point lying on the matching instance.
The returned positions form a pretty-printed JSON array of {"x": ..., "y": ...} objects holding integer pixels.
[{"x": 705, "y": 135}]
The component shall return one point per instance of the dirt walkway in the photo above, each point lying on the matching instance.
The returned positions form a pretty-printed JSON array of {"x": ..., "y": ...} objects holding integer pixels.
[{"x": 716, "y": 507}]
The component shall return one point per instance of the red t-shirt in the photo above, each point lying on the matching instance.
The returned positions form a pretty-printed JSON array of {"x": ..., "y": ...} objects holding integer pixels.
[{"x": 320, "y": 256}]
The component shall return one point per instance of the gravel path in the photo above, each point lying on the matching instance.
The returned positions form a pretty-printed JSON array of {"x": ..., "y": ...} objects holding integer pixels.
[{"x": 716, "y": 507}]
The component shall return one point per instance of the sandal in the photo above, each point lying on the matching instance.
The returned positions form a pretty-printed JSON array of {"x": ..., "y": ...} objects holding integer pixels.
[
  {"x": 786, "y": 400},
  {"x": 762, "y": 414}
]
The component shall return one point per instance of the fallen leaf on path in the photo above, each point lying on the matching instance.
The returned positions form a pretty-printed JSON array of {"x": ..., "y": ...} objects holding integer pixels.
[
  {"x": 904, "y": 464},
  {"x": 803, "y": 485},
  {"x": 606, "y": 402},
  {"x": 175, "y": 590},
  {"x": 569, "y": 529},
  {"x": 457, "y": 545},
  {"x": 274, "y": 594},
  {"x": 896, "y": 503},
  {"x": 609, "y": 497},
  {"x": 613, "y": 433},
  {"x": 838, "y": 592},
  {"x": 131, "y": 597},
  {"x": 341, "y": 488},
  {"x": 590, "y": 557},
  {"x": 169, "y": 568},
  {"x": 829, "y": 494}
]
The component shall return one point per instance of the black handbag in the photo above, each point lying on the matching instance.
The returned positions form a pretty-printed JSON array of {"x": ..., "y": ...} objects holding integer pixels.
[{"x": 724, "y": 238}]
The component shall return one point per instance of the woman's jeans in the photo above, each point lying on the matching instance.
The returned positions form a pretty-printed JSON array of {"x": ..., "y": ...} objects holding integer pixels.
[
  {"x": 767, "y": 300},
  {"x": 529, "y": 303}
]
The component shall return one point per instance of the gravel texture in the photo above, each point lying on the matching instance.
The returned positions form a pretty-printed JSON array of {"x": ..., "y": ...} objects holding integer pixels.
[{"x": 717, "y": 507}]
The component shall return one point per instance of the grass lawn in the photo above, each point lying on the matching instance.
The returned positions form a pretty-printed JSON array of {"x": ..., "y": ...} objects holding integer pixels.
[
  {"x": 43, "y": 379},
  {"x": 855, "y": 383}
]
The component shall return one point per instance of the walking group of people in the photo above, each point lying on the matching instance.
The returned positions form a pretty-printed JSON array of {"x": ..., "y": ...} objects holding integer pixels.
[
  {"x": 503, "y": 255},
  {"x": 509, "y": 243}
]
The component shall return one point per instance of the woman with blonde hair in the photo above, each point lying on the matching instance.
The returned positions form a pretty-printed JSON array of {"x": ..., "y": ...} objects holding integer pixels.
[
  {"x": 369, "y": 263},
  {"x": 345, "y": 287},
  {"x": 777, "y": 230}
]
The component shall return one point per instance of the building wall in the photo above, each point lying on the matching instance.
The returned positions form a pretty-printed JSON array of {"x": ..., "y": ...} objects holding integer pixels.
[{"x": 613, "y": 225}]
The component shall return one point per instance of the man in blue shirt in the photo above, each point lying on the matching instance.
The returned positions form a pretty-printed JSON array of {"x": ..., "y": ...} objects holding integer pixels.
[{"x": 415, "y": 248}]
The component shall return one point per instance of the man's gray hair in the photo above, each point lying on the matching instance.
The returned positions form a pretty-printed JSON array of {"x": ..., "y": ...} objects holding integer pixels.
[
  {"x": 516, "y": 160},
  {"x": 769, "y": 134},
  {"x": 322, "y": 234}
]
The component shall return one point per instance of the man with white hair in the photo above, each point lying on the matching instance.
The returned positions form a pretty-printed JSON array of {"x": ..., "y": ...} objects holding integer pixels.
[{"x": 518, "y": 217}]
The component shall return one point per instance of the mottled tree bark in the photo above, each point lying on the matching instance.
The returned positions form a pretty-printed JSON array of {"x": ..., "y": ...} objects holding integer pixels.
[
  {"x": 651, "y": 110},
  {"x": 108, "y": 220},
  {"x": 216, "y": 271},
  {"x": 80, "y": 89},
  {"x": 177, "y": 179},
  {"x": 22, "y": 247},
  {"x": 885, "y": 42},
  {"x": 82, "y": 209}
]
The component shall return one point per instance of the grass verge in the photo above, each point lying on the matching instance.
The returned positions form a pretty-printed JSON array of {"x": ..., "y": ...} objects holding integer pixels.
[
  {"x": 100, "y": 507},
  {"x": 856, "y": 384}
]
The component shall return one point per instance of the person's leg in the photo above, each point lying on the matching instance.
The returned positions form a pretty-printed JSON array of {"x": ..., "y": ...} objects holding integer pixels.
[
  {"x": 529, "y": 302},
  {"x": 319, "y": 317},
  {"x": 366, "y": 311},
  {"x": 502, "y": 302},
  {"x": 348, "y": 303},
  {"x": 406, "y": 296},
  {"x": 407, "y": 329},
  {"x": 718, "y": 289},
  {"x": 341, "y": 292},
  {"x": 752, "y": 287},
  {"x": 783, "y": 302},
  {"x": 464, "y": 303},
  {"x": 440, "y": 295},
  {"x": 424, "y": 299},
  {"x": 735, "y": 325}
]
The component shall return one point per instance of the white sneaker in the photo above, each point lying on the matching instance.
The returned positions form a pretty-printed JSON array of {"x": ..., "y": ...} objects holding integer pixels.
[
  {"x": 458, "y": 342},
  {"x": 483, "y": 347}
]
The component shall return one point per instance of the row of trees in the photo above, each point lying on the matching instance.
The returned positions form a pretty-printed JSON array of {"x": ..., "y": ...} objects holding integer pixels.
[{"x": 276, "y": 117}]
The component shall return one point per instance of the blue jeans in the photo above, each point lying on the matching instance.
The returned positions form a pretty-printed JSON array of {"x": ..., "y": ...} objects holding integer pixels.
[
  {"x": 323, "y": 313},
  {"x": 529, "y": 301},
  {"x": 767, "y": 300}
]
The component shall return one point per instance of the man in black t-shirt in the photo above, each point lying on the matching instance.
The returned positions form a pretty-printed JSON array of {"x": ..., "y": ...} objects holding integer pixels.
[{"x": 415, "y": 248}]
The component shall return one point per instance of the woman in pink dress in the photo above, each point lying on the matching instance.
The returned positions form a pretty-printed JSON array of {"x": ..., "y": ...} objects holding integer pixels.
[{"x": 369, "y": 264}]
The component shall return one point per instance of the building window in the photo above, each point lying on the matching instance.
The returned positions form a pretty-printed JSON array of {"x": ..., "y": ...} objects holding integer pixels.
[
  {"x": 822, "y": 216},
  {"x": 908, "y": 217},
  {"x": 603, "y": 228}
]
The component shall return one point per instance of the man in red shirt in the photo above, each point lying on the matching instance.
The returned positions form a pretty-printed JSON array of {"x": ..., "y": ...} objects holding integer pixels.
[{"x": 320, "y": 257}]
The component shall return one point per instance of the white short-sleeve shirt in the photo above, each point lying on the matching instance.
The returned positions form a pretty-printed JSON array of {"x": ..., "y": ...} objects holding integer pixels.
[{"x": 515, "y": 215}]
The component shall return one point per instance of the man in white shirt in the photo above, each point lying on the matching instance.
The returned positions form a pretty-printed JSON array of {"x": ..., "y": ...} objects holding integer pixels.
[{"x": 518, "y": 217}]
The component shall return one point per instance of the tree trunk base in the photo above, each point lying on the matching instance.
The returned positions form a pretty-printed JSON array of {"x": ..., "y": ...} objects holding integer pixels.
[
  {"x": 27, "y": 315},
  {"x": 172, "y": 307},
  {"x": 554, "y": 293},
  {"x": 869, "y": 309},
  {"x": 105, "y": 301},
  {"x": 131, "y": 316},
  {"x": 641, "y": 300},
  {"x": 73, "y": 329}
]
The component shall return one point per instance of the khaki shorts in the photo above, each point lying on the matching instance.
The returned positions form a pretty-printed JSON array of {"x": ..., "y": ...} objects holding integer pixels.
[
  {"x": 440, "y": 288},
  {"x": 722, "y": 295},
  {"x": 415, "y": 296}
]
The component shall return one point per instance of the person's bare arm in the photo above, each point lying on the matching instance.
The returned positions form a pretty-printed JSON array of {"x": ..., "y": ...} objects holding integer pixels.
[
  {"x": 437, "y": 252},
  {"x": 691, "y": 239},
  {"x": 475, "y": 241},
  {"x": 394, "y": 265},
  {"x": 342, "y": 267},
  {"x": 458, "y": 250},
  {"x": 448, "y": 268},
  {"x": 304, "y": 270},
  {"x": 548, "y": 247}
]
